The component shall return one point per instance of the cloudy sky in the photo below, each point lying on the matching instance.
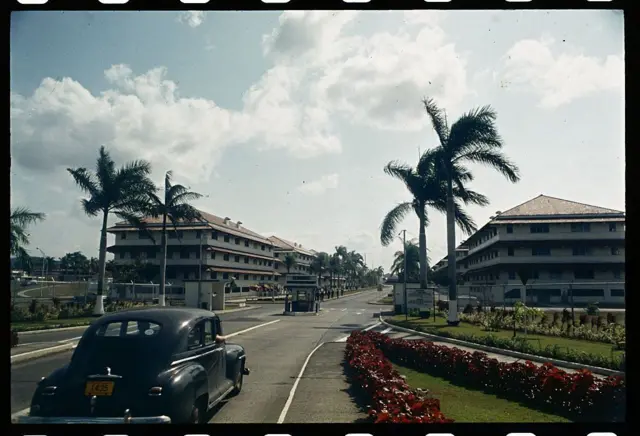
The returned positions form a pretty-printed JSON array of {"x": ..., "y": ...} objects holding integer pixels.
[{"x": 285, "y": 120}]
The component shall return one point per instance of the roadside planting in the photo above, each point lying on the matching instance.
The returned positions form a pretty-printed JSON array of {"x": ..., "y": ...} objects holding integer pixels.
[{"x": 580, "y": 395}]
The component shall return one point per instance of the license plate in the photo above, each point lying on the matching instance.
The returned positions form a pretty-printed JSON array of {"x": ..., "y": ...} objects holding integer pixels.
[{"x": 99, "y": 388}]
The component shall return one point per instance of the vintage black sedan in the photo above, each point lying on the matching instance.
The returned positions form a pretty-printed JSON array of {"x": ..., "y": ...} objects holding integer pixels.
[{"x": 158, "y": 365}]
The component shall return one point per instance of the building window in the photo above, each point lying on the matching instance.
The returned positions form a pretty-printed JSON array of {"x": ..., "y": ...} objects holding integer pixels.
[
  {"x": 510, "y": 251},
  {"x": 579, "y": 251},
  {"x": 617, "y": 292},
  {"x": 246, "y": 259},
  {"x": 262, "y": 247},
  {"x": 612, "y": 227},
  {"x": 171, "y": 274},
  {"x": 226, "y": 238},
  {"x": 213, "y": 255},
  {"x": 255, "y": 277},
  {"x": 580, "y": 227},
  {"x": 262, "y": 278},
  {"x": 237, "y": 259},
  {"x": 121, "y": 255},
  {"x": 214, "y": 276},
  {"x": 198, "y": 234},
  {"x": 588, "y": 292},
  {"x": 151, "y": 254},
  {"x": 184, "y": 254},
  {"x": 246, "y": 243},
  {"x": 541, "y": 251},
  {"x": 512, "y": 275},
  {"x": 539, "y": 228},
  {"x": 246, "y": 276},
  {"x": 214, "y": 235},
  {"x": 255, "y": 261},
  {"x": 143, "y": 235},
  {"x": 615, "y": 251},
  {"x": 225, "y": 276},
  {"x": 198, "y": 254},
  {"x": 535, "y": 274},
  {"x": 237, "y": 241},
  {"x": 586, "y": 274},
  {"x": 225, "y": 257},
  {"x": 123, "y": 235},
  {"x": 555, "y": 275},
  {"x": 277, "y": 255}
]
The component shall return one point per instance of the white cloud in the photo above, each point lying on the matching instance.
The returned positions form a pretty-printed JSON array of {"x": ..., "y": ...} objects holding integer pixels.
[
  {"x": 192, "y": 18},
  {"x": 561, "y": 78},
  {"x": 371, "y": 80},
  {"x": 320, "y": 186}
]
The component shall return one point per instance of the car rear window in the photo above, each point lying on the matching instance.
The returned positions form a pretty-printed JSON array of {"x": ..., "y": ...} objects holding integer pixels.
[{"x": 131, "y": 328}]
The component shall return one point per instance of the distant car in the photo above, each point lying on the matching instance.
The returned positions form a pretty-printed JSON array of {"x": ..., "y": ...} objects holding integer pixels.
[{"x": 159, "y": 365}]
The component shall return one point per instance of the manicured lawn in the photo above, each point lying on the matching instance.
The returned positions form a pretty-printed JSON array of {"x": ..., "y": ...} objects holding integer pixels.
[
  {"x": 51, "y": 324},
  {"x": 466, "y": 405},
  {"x": 440, "y": 325},
  {"x": 51, "y": 289},
  {"x": 386, "y": 300}
]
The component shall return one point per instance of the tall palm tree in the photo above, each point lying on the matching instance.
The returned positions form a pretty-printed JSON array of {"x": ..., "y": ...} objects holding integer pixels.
[
  {"x": 413, "y": 262},
  {"x": 112, "y": 191},
  {"x": 319, "y": 265},
  {"x": 174, "y": 208},
  {"x": 26, "y": 264},
  {"x": 428, "y": 189},
  {"x": 473, "y": 138},
  {"x": 289, "y": 262},
  {"x": 19, "y": 219}
]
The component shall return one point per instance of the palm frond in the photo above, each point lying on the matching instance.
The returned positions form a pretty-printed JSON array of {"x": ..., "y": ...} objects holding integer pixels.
[
  {"x": 185, "y": 197},
  {"x": 391, "y": 221},
  {"x": 438, "y": 119},
  {"x": 86, "y": 181},
  {"x": 91, "y": 206},
  {"x": 495, "y": 159},
  {"x": 463, "y": 220},
  {"x": 105, "y": 169},
  {"x": 136, "y": 221},
  {"x": 473, "y": 129},
  {"x": 467, "y": 196},
  {"x": 22, "y": 216}
]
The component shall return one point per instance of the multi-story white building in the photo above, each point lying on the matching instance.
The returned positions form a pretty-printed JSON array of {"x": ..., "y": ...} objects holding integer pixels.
[
  {"x": 303, "y": 257},
  {"x": 215, "y": 249},
  {"x": 566, "y": 249}
]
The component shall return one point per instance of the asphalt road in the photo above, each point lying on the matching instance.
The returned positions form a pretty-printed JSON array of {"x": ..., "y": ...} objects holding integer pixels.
[{"x": 275, "y": 354}]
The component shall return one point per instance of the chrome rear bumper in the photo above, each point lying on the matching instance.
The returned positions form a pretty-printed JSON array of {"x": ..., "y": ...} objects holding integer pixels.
[{"x": 90, "y": 420}]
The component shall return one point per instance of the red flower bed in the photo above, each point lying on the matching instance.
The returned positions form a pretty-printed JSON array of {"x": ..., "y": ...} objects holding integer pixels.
[
  {"x": 393, "y": 401},
  {"x": 579, "y": 395}
]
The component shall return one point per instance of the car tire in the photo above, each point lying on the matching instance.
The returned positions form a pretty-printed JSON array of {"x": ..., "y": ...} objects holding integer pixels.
[
  {"x": 237, "y": 386},
  {"x": 197, "y": 411}
]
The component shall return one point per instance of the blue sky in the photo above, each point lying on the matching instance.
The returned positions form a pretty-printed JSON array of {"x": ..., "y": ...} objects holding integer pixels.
[{"x": 285, "y": 120}]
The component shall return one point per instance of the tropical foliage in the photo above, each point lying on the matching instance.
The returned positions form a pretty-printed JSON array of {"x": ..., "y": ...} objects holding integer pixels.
[
  {"x": 174, "y": 208},
  {"x": 120, "y": 191},
  {"x": 413, "y": 263},
  {"x": 472, "y": 138},
  {"x": 20, "y": 218}
]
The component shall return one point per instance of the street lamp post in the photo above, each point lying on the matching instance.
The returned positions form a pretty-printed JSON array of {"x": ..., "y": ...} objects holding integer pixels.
[
  {"x": 43, "y": 262},
  {"x": 200, "y": 268}
]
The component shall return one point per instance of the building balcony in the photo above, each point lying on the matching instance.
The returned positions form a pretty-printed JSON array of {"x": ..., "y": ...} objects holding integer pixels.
[
  {"x": 548, "y": 260},
  {"x": 562, "y": 236}
]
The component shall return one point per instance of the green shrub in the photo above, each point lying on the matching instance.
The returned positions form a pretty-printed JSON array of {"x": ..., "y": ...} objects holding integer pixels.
[
  {"x": 468, "y": 308},
  {"x": 592, "y": 309},
  {"x": 424, "y": 314}
]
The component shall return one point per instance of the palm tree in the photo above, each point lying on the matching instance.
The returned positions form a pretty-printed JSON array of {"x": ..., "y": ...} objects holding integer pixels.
[
  {"x": 319, "y": 265},
  {"x": 19, "y": 219},
  {"x": 428, "y": 189},
  {"x": 334, "y": 268},
  {"x": 473, "y": 138},
  {"x": 413, "y": 262},
  {"x": 112, "y": 191},
  {"x": 25, "y": 260},
  {"x": 289, "y": 262},
  {"x": 173, "y": 209}
]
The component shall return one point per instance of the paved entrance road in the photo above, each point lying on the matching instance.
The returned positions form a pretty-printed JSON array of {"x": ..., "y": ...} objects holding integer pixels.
[{"x": 275, "y": 354}]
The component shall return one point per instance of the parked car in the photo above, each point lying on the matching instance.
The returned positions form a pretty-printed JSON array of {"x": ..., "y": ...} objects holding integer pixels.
[{"x": 158, "y": 365}]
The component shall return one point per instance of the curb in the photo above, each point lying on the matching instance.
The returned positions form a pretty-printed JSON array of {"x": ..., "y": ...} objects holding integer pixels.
[
  {"x": 240, "y": 309},
  {"x": 300, "y": 313},
  {"x": 31, "y": 355},
  {"x": 510, "y": 353}
]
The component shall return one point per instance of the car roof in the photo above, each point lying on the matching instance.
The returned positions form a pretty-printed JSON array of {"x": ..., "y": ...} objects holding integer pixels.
[{"x": 172, "y": 317}]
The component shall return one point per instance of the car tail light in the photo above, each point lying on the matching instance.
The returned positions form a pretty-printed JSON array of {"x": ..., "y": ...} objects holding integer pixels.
[{"x": 155, "y": 391}]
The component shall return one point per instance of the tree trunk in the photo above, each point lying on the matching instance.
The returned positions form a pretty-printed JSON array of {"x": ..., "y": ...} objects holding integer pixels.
[
  {"x": 423, "y": 250},
  {"x": 98, "y": 309},
  {"x": 451, "y": 258},
  {"x": 163, "y": 262}
]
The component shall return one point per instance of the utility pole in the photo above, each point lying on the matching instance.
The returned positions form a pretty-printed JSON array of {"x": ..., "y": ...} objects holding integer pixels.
[{"x": 404, "y": 247}]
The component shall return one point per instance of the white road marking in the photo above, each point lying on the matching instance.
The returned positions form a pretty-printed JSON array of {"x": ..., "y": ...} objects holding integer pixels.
[
  {"x": 285, "y": 409},
  {"x": 22, "y": 412},
  {"x": 230, "y": 335},
  {"x": 385, "y": 331},
  {"x": 372, "y": 326},
  {"x": 344, "y": 339},
  {"x": 344, "y": 310},
  {"x": 358, "y": 313}
]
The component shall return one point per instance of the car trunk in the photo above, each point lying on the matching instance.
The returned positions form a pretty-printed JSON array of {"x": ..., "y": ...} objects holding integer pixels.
[{"x": 133, "y": 365}]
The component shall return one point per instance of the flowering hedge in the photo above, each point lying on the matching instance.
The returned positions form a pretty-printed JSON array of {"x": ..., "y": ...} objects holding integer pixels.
[
  {"x": 579, "y": 395},
  {"x": 392, "y": 400}
]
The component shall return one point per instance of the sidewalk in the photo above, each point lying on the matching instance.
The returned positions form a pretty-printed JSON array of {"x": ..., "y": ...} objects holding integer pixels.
[{"x": 324, "y": 395}]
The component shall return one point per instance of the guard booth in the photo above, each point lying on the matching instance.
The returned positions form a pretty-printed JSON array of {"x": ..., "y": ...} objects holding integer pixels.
[
  {"x": 302, "y": 289},
  {"x": 205, "y": 294}
]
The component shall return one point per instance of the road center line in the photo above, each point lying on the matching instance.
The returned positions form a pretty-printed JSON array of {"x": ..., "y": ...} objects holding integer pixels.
[
  {"x": 285, "y": 409},
  {"x": 385, "y": 331}
]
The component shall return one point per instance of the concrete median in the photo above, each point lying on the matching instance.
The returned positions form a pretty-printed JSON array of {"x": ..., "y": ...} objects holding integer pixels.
[{"x": 35, "y": 354}]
